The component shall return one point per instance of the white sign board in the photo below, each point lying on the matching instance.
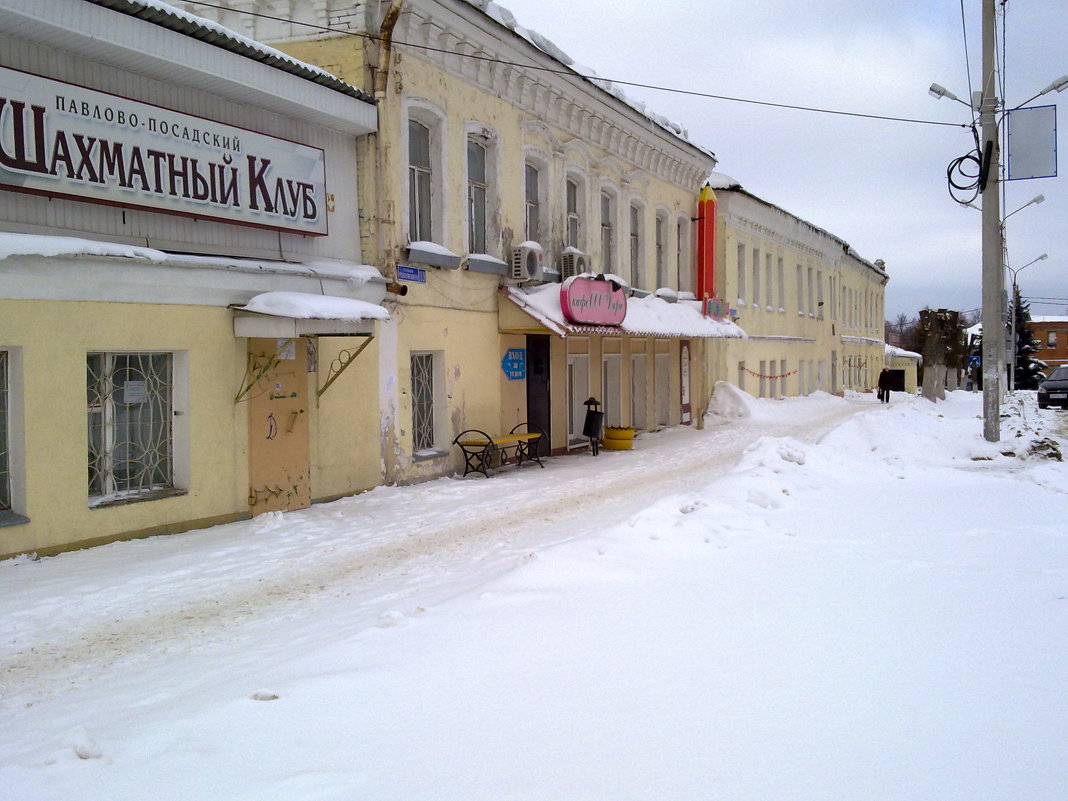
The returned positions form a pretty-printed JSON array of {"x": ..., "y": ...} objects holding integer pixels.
[
  {"x": 62, "y": 140},
  {"x": 1032, "y": 142}
]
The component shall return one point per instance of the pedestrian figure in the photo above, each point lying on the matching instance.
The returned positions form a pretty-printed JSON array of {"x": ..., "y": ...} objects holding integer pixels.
[{"x": 884, "y": 385}]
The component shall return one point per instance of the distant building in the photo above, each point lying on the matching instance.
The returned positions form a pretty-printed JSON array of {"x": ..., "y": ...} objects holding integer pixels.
[
  {"x": 904, "y": 368},
  {"x": 812, "y": 308},
  {"x": 1051, "y": 332}
]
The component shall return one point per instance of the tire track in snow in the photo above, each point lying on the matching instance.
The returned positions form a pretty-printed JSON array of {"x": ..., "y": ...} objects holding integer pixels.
[{"x": 425, "y": 556}]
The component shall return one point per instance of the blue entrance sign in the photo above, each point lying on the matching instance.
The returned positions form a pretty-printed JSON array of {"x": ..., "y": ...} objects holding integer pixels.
[
  {"x": 514, "y": 363},
  {"x": 416, "y": 274}
]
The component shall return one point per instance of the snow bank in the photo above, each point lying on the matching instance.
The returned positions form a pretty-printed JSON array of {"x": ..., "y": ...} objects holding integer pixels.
[{"x": 825, "y": 598}]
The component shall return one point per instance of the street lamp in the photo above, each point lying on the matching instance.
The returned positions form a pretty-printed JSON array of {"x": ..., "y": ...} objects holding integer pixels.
[
  {"x": 1032, "y": 202},
  {"x": 1012, "y": 323},
  {"x": 937, "y": 91},
  {"x": 987, "y": 104},
  {"x": 1058, "y": 85}
]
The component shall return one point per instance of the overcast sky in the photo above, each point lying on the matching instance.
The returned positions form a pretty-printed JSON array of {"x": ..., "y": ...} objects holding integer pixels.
[{"x": 881, "y": 186}]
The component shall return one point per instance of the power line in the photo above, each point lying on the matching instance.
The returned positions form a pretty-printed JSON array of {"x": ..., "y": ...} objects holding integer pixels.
[{"x": 571, "y": 72}]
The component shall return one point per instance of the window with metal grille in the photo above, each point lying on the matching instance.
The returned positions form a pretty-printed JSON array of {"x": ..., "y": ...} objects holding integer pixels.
[
  {"x": 419, "y": 178},
  {"x": 422, "y": 401},
  {"x": 130, "y": 397},
  {"x": 5, "y": 448}
]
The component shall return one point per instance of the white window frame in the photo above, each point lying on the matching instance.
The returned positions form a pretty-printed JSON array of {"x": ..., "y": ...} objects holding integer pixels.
[
  {"x": 608, "y": 204},
  {"x": 534, "y": 216},
  {"x": 477, "y": 197},
  {"x": 578, "y": 391},
  {"x": 769, "y": 280},
  {"x": 612, "y": 389},
  {"x": 636, "y": 242},
  {"x": 781, "y": 275},
  {"x": 741, "y": 273},
  {"x": 660, "y": 246},
  {"x": 575, "y": 214},
  {"x": 683, "y": 261},
  {"x": 431, "y": 118},
  {"x": 756, "y": 278},
  {"x": 487, "y": 139},
  {"x": 420, "y": 185},
  {"x": 639, "y": 411},
  {"x": 662, "y": 390}
]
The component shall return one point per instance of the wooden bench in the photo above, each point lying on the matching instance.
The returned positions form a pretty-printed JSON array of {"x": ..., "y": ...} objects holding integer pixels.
[{"x": 483, "y": 452}]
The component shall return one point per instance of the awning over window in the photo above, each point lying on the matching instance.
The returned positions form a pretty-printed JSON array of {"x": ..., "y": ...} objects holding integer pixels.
[
  {"x": 649, "y": 316},
  {"x": 294, "y": 314}
]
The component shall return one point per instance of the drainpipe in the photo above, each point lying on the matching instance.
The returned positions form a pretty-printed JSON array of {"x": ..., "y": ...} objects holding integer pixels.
[
  {"x": 383, "y": 141},
  {"x": 386, "y": 243}
]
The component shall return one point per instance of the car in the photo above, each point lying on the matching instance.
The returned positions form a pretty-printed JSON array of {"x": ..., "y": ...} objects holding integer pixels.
[{"x": 1054, "y": 390}]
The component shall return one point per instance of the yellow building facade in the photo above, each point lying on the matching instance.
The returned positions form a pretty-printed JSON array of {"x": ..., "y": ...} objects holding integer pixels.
[
  {"x": 811, "y": 306},
  {"x": 180, "y": 277},
  {"x": 495, "y": 176}
]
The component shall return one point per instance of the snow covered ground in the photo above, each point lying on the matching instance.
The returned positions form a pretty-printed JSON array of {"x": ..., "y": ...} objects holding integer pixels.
[{"x": 815, "y": 598}]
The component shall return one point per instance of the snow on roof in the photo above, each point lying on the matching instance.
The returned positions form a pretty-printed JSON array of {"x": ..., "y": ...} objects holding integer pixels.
[
  {"x": 431, "y": 247},
  {"x": 506, "y": 18},
  {"x": 175, "y": 19},
  {"x": 1048, "y": 318},
  {"x": 306, "y": 306},
  {"x": 38, "y": 245},
  {"x": 893, "y": 352},
  {"x": 648, "y": 316},
  {"x": 718, "y": 180},
  {"x": 12, "y": 244}
]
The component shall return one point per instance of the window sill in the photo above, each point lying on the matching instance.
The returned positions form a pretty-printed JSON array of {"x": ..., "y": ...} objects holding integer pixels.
[
  {"x": 9, "y": 518},
  {"x": 153, "y": 495},
  {"x": 429, "y": 455}
]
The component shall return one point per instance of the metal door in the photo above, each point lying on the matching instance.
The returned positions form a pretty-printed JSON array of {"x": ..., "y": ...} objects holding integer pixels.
[
  {"x": 538, "y": 390},
  {"x": 279, "y": 455}
]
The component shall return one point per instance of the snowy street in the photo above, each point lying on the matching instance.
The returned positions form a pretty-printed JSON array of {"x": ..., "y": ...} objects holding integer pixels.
[{"x": 815, "y": 598}]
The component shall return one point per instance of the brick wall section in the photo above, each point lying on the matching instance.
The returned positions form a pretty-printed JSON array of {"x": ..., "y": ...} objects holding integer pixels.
[{"x": 1058, "y": 354}]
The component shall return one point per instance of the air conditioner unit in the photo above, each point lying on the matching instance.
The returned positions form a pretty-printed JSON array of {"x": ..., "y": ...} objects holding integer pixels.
[
  {"x": 574, "y": 263},
  {"x": 526, "y": 263}
]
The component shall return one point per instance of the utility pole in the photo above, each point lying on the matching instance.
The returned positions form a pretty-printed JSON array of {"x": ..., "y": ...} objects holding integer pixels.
[{"x": 993, "y": 274}]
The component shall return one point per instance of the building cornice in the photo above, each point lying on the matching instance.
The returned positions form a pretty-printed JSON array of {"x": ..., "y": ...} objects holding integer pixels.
[
  {"x": 462, "y": 40},
  {"x": 444, "y": 33}
]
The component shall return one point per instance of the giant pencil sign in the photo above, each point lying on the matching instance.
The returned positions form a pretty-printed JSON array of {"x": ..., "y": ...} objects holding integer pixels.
[
  {"x": 62, "y": 140},
  {"x": 593, "y": 301}
]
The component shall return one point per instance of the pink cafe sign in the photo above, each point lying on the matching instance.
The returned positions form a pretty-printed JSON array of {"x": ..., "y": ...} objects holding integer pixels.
[{"x": 592, "y": 301}]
